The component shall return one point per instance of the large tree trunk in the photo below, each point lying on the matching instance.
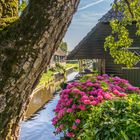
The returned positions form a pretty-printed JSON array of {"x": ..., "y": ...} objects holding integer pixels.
[{"x": 26, "y": 47}]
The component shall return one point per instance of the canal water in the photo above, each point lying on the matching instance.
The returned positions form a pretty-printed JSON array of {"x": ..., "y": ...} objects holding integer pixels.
[{"x": 39, "y": 125}]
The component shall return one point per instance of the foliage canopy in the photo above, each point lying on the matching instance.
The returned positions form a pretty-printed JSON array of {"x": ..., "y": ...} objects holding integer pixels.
[{"x": 119, "y": 41}]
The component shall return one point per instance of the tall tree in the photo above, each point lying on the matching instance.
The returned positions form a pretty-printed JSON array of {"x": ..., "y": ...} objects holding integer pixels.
[{"x": 26, "y": 46}]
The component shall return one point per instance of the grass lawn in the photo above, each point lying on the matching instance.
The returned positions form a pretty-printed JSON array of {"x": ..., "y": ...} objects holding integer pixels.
[
  {"x": 69, "y": 65},
  {"x": 46, "y": 77},
  {"x": 49, "y": 74}
]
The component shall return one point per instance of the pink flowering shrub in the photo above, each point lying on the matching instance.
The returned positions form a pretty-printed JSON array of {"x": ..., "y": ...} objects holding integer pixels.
[{"x": 78, "y": 98}]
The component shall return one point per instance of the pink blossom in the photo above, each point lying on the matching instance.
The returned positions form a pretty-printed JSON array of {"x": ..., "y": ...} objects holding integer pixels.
[
  {"x": 94, "y": 103},
  {"x": 60, "y": 115},
  {"x": 68, "y": 103},
  {"x": 100, "y": 97},
  {"x": 100, "y": 91},
  {"x": 66, "y": 91},
  {"x": 88, "y": 81},
  {"x": 100, "y": 77},
  {"x": 107, "y": 96},
  {"x": 82, "y": 107},
  {"x": 83, "y": 87},
  {"x": 132, "y": 88},
  {"x": 54, "y": 120},
  {"x": 76, "y": 91},
  {"x": 69, "y": 110},
  {"x": 85, "y": 97},
  {"x": 74, "y": 127},
  {"x": 89, "y": 84},
  {"x": 123, "y": 89},
  {"x": 66, "y": 96},
  {"x": 93, "y": 92},
  {"x": 105, "y": 75},
  {"x": 122, "y": 95},
  {"x": 75, "y": 84},
  {"x": 116, "y": 92},
  {"x": 69, "y": 86},
  {"x": 97, "y": 85},
  {"x": 82, "y": 93},
  {"x": 118, "y": 88},
  {"x": 70, "y": 134},
  {"x": 87, "y": 102},
  {"x": 116, "y": 78},
  {"x": 61, "y": 126},
  {"x": 91, "y": 97},
  {"x": 58, "y": 130},
  {"x": 77, "y": 121},
  {"x": 74, "y": 106},
  {"x": 116, "y": 82}
]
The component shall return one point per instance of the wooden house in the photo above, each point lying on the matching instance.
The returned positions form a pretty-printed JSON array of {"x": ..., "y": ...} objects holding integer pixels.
[
  {"x": 92, "y": 47},
  {"x": 59, "y": 56}
]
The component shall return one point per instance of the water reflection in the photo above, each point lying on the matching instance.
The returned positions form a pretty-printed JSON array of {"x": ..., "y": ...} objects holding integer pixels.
[
  {"x": 40, "y": 97},
  {"x": 39, "y": 126}
]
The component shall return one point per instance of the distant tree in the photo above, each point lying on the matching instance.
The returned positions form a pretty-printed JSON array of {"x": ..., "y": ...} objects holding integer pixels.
[{"x": 64, "y": 46}]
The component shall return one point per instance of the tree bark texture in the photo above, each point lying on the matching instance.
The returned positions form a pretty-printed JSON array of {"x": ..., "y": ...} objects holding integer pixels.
[{"x": 26, "y": 47}]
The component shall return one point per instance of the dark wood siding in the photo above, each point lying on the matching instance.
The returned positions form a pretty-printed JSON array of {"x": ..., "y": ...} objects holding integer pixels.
[
  {"x": 111, "y": 68},
  {"x": 92, "y": 47},
  {"x": 133, "y": 76}
]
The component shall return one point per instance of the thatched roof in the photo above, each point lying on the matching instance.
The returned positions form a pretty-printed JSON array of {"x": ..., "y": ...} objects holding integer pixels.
[
  {"x": 59, "y": 52},
  {"x": 91, "y": 47},
  {"x": 111, "y": 14}
]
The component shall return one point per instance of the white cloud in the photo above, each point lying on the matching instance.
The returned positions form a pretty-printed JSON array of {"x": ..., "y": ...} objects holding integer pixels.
[
  {"x": 90, "y": 5},
  {"x": 86, "y": 19},
  {"x": 90, "y": 15}
]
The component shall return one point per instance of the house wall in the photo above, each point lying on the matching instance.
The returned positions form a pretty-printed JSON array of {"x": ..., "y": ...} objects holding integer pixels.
[
  {"x": 111, "y": 68},
  {"x": 132, "y": 75},
  {"x": 92, "y": 47}
]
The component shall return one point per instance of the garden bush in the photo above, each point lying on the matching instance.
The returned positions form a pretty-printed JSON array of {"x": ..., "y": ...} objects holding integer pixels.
[
  {"x": 114, "y": 120},
  {"x": 78, "y": 101}
]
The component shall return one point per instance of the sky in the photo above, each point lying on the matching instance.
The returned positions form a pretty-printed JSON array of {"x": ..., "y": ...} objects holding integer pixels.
[{"x": 86, "y": 17}]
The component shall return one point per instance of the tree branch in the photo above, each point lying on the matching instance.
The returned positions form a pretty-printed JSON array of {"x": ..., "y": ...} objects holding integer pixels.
[{"x": 128, "y": 5}]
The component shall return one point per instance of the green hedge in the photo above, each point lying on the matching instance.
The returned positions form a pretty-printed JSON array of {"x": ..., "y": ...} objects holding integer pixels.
[{"x": 114, "y": 120}]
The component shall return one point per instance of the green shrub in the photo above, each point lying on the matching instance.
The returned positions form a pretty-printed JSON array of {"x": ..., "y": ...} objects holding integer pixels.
[
  {"x": 114, "y": 120},
  {"x": 86, "y": 77}
]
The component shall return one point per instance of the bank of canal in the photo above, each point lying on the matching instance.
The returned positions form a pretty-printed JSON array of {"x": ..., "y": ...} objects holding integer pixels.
[{"x": 39, "y": 126}]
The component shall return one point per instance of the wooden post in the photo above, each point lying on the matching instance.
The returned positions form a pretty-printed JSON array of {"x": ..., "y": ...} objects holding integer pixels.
[
  {"x": 80, "y": 65},
  {"x": 101, "y": 66}
]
